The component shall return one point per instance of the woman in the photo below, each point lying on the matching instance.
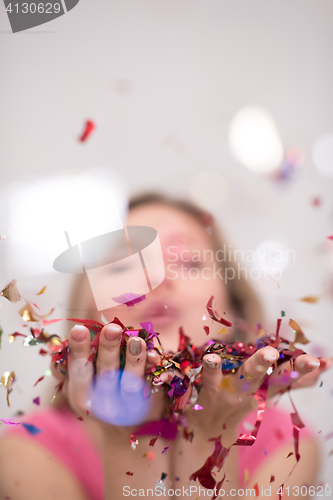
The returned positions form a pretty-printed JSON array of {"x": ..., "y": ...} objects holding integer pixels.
[{"x": 49, "y": 465}]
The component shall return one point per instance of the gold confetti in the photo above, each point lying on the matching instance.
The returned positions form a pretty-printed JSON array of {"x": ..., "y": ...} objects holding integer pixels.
[
  {"x": 28, "y": 314},
  {"x": 7, "y": 380},
  {"x": 223, "y": 330},
  {"x": 42, "y": 290},
  {"x": 310, "y": 299},
  {"x": 227, "y": 384},
  {"x": 247, "y": 375},
  {"x": 11, "y": 293},
  {"x": 300, "y": 337},
  {"x": 246, "y": 475}
]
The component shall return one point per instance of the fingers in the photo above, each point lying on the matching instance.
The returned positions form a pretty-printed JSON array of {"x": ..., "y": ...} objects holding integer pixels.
[
  {"x": 81, "y": 373},
  {"x": 211, "y": 372},
  {"x": 136, "y": 356},
  {"x": 255, "y": 367},
  {"x": 286, "y": 375},
  {"x": 109, "y": 349},
  {"x": 79, "y": 342}
]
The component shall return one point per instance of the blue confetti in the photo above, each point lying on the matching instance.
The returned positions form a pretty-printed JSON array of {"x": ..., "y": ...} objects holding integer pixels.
[{"x": 32, "y": 429}]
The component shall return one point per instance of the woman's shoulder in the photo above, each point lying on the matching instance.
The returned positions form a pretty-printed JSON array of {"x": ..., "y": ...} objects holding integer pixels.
[{"x": 49, "y": 440}]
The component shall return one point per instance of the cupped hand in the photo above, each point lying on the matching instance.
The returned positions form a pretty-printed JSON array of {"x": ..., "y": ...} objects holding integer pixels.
[
  {"x": 82, "y": 375},
  {"x": 227, "y": 398}
]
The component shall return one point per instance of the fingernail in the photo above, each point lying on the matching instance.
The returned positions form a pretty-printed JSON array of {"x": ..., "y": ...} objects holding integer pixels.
[
  {"x": 135, "y": 346},
  {"x": 111, "y": 330},
  {"x": 268, "y": 358},
  {"x": 210, "y": 364},
  {"x": 312, "y": 365},
  {"x": 79, "y": 333}
]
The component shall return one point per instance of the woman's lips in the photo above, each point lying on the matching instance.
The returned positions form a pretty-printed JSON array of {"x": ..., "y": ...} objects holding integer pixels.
[{"x": 161, "y": 313}]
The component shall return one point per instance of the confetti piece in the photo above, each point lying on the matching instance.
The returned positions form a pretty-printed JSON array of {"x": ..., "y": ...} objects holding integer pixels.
[
  {"x": 256, "y": 488},
  {"x": 321, "y": 383},
  {"x": 11, "y": 293},
  {"x": 28, "y": 314},
  {"x": 36, "y": 401},
  {"x": 152, "y": 441},
  {"x": 316, "y": 202},
  {"x": 206, "y": 328},
  {"x": 289, "y": 454},
  {"x": 330, "y": 237},
  {"x": 227, "y": 384},
  {"x": 223, "y": 330},
  {"x": 128, "y": 473},
  {"x": 242, "y": 376},
  {"x": 7, "y": 381},
  {"x": 32, "y": 429},
  {"x": 272, "y": 479},
  {"x": 42, "y": 352},
  {"x": 9, "y": 422},
  {"x": 197, "y": 407},
  {"x": 282, "y": 314},
  {"x": 300, "y": 337},
  {"x": 42, "y": 290},
  {"x": 247, "y": 375},
  {"x": 39, "y": 380},
  {"x": 165, "y": 449},
  {"x": 213, "y": 315},
  {"x": 129, "y": 299},
  {"x": 88, "y": 129},
  {"x": 310, "y": 299},
  {"x": 246, "y": 475},
  {"x": 80, "y": 418}
]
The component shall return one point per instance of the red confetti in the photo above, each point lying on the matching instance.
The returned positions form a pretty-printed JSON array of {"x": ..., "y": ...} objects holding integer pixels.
[
  {"x": 316, "y": 202},
  {"x": 289, "y": 454},
  {"x": 204, "y": 475},
  {"x": 39, "y": 380},
  {"x": 152, "y": 441},
  {"x": 211, "y": 313},
  {"x": 330, "y": 237},
  {"x": 129, "y": 473},
  {"x": 206, "y": 328},
  {"x": 42, "y": 352},
  {"x": 256, "y": 487},
  {"x": 88, "y": 129},
  {"x": 272, "y": 479},
  {"x": 80, "y": 418}
]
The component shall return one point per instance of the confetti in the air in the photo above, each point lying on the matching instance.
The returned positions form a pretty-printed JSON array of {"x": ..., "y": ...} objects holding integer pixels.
[
  {"x": 88, "y": 129},
  {"x": 11, "y": 293}
]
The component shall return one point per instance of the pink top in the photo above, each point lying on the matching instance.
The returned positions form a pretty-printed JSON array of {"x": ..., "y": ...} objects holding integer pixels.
[{"x": 64, "y": 435}]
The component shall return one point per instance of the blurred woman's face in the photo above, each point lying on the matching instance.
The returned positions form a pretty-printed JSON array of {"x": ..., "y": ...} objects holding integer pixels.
[{"x": 191, "y": 278}]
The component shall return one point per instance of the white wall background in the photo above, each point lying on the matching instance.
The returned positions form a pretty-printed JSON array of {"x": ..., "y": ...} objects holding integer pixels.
[{"x": 162, "y": 80}]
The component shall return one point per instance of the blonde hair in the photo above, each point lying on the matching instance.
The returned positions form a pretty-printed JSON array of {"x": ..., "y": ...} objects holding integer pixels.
[{"x": 243, "y": 298}]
